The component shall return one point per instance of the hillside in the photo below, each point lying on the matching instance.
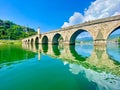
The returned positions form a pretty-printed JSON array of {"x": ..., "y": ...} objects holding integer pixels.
[
  {"x": 12, "y": 31},
  {"x": 85, "y": 39}
]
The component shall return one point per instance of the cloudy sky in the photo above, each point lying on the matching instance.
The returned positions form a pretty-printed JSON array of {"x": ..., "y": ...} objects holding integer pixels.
[
  {"x": 96, "y": 10},
  {"x": 55, "y": 14}
]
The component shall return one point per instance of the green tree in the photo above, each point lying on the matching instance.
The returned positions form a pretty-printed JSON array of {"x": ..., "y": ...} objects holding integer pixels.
[{"x": 9, "y": 30}]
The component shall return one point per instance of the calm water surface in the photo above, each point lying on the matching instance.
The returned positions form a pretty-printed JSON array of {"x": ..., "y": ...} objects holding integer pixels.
[{"x": 51, "y": 67}]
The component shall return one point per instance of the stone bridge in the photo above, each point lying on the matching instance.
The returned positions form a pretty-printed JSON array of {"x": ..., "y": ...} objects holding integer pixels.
[{"x": 99, "y": 30}]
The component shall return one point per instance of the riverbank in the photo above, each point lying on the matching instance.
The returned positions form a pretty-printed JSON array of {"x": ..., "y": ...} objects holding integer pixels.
[{"x": 16, "y": 42}]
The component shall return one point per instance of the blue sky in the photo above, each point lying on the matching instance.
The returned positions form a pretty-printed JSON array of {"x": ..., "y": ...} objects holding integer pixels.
[
  {"x": 55, "y": 14},
  {"x": 48, "y": 14}
]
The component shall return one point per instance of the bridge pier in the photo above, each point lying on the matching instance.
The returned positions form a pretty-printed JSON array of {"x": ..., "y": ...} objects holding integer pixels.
[
  {"x": 66, "y": 42},
  {"x": 100, "y": 42},
  {"x": 52, "y": 43}
]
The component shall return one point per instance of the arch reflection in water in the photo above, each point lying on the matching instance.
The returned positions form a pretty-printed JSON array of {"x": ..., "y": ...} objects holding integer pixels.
[
  {"x": 75, "y": 54},
  {"x": 33, "y": 48},
  {"x": 113, "y": 51},
  {"x": 37, "y": 46},
  {"x": 45, "y": 48},
  {"x": 113, "y": 44},
  {"x": 56, "y": 50},
  {"x": 81, "y": 52},
  {"x": 66, "y": 52},
  {"x": 98, "y": 61}
]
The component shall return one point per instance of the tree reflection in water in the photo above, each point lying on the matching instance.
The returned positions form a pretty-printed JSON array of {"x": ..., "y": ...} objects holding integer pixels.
[{"x": 10, "y": 54}]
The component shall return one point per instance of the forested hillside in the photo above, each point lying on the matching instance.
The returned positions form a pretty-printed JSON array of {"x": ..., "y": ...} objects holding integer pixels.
[{"x": 12, "y": 31}]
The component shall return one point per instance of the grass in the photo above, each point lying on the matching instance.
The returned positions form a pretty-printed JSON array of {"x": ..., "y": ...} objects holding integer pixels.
[{"x": 16, "y": 42}]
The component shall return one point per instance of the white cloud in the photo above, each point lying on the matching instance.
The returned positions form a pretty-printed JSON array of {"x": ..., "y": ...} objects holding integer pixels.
[
  {"x": 75, "y": 19},
  {"x": 98, "y": 9}
]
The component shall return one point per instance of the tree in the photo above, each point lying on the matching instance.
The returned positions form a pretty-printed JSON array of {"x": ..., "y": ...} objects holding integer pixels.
[{"x": 9, "y": 30}]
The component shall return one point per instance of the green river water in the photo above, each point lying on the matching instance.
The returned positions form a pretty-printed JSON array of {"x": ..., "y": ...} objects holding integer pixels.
[{"x": 52, "y": 67}]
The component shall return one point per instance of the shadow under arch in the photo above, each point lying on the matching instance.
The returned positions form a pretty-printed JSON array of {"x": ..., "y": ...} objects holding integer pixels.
[
  {"x": 56, "y": 37},
  {"x": 75, "y": 34},
  {"x": 28, "y": 41},
  {"x": 32, "y": 41},
  {"x": 75, "y": 54},
  {"x": 56, "y": 50},
  {"x": 36, "y": 40},
  {"x": 45, "y": 40}
]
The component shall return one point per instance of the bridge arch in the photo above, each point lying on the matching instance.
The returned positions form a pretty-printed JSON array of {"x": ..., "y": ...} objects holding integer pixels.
[
  {"x": 25, "y": 41},
  {"x": 28, "y": 40},
  {"x": 75, "y": 34},
  {"x": 36, "y": 40},
  {"x": 45, "y": 40},
  {"x": 56, "y": 37},
  {"x": 32, "y": 41},
  {"x": 112, "y": 30}
]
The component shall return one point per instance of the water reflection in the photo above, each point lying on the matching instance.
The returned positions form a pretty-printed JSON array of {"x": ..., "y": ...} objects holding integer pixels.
[
  {"x": 86, "y": 67},
  {"x": 95, "y": 58},
  {"x": 85, "y": 50},
  {"x": 100, "y": 81},
  {"x": 36, "y": 46},
  {"x": 75, "y": 53},
  {"x": 9, "y": 54},
  {"x": 56, "y": 50},
  {"x": 113, "y": 51},
  {"x": 45, "y": 48}
]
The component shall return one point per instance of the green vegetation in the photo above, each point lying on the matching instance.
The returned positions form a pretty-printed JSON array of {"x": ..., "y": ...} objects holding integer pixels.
[
  {"x": 119, "y": 40},
  {"x": 12, "y": 31},
  {"x": 16, "y": 42}
]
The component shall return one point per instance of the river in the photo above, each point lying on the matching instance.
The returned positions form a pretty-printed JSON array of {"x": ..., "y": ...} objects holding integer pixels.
[{"x": 52, "y": 67}]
